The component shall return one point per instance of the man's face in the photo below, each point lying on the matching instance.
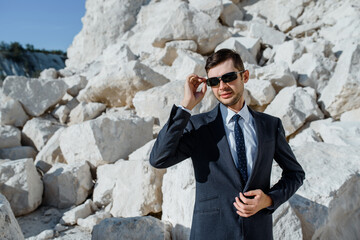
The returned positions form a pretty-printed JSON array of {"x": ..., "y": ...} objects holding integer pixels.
[{"x": 231, "y": 93}]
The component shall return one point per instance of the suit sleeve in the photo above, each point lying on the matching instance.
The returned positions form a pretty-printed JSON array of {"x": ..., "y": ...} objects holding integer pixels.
[
  {"x": 293, "y": 174},
  {"x": 174, "y": 142}
]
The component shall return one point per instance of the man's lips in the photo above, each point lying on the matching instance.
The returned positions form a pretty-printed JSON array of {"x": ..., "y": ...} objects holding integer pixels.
[{"x": 226, "y": 94}]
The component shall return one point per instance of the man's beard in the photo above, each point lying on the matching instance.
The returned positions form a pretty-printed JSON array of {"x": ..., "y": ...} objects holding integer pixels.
[{"x": 236, "y": 99}]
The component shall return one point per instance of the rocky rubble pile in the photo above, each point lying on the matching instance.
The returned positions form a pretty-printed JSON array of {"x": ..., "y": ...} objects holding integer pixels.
[{"x": 77, "y": 141}]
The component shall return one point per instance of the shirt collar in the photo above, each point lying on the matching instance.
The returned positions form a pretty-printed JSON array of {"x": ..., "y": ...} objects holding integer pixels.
[{"x": 227, "y": 113}]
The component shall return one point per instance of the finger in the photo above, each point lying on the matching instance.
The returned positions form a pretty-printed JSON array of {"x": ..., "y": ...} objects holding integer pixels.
[
  {"x": 242, "y": 207},
  {"x": 252, "y": 193},
  {"x": 244, "y": 199}
]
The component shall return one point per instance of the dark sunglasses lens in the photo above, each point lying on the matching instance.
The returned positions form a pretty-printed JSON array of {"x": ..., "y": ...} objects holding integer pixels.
[
  {"x": 228, "y": 77},
  {"x": 212, "y": 81}
]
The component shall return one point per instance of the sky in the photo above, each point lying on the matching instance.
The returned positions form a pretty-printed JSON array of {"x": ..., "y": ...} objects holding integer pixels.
[{"x": 46, "y": 24}]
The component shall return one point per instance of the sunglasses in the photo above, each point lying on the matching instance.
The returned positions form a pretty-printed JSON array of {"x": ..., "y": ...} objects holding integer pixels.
[{"x": 227, "y": 77}]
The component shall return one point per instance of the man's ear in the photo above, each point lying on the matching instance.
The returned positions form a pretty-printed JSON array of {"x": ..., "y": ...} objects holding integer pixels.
[{"x": 246, "y": 76}]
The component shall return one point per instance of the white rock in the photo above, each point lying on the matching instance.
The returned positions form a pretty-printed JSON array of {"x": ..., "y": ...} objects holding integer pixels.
[
  {"x": 9, "y": 136},
  {"x": 66, "y": 72},
  {"x": 143, "y": 153},
  {"x": 338, "y": 133},
  {"x": 61, "y": 113},
  {"x": 350, "y": 116},
  {"x": 213, "y": 8},
  {"x": 313, "y": 71},
  {"x": 188, "y": 62},
  {"x": 267, "y": 35},
  {"x": 333, "y": 166},
  {"x": 85, "y": 111},
  {"x": 44, "y": 235},
  {"x": 158, "y": 101},
  {"x": 101, "y": 29},
  {"x": 49, "y": 73},
  {"x": 230, "y": 13},
  {"x": 278, "y": 74},
  {"x": 38, "y": 131},
  {"x": 179, "y": 198},
  {"x": 21, "y": 185},
  {"x": 67, "y": 185},
  {"x": 117, "y": 84},
  {"x": 132, "y": 229},
  {"x": 75, "y": 84},
  {"x": 306, "y": 135},
  {"x": 281, "y": 13},
  {"x": 35, "y": 95},
  {"x": 82, "y": 211},
  {"x": 286, "y": 225},
  {"x": 15, "y": 153},
  {"x": 50, "y": 153},
  {"x": 234, "y": 43},
  {"x": 9, "y": 227},
  {"x": 175, "y": 21},
  {"x": 138, "y": 191},
  {"x": 289, "y": 52},
  {"x": 105, "y": 139},
  {"x": 305, "y": 29},
  {"x": 343, "y": 90},
  {"x": 169, "y": 53},
  {"x": 294, "y": 106},
  {"x": 92, "y": 220},
  {"x": 343, "y": 220},
  {"x": 11, "y": 112},
  {"x": 260, "y": 91}
]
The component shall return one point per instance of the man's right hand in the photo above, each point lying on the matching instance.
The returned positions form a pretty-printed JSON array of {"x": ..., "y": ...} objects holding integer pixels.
[{"x": 191, "y": 96}]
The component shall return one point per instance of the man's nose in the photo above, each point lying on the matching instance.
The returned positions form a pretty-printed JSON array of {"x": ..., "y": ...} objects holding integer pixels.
[{"x": 222, "y": 84}]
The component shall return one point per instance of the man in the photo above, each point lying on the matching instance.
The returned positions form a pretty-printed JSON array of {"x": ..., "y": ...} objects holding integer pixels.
[{"x": 232, "y": 155}]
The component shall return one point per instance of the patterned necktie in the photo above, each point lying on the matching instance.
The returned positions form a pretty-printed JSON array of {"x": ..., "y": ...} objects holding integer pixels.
[{"x": 240, "y": 148}]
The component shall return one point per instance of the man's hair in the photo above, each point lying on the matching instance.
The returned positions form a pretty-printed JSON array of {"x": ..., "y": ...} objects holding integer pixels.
[{"x": 221, "y": 56}]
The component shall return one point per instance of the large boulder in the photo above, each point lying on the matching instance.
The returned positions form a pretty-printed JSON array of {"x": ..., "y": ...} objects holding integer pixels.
[
  {"x": 35, "y": 95},
  {"x": 9, "y": 136},
  {"x": 261, "y": 92},
  {"x": 281, "y": 13},
  {"x": 101, "y": 29},
  {"x": 178, "y": 198},
  {"x": 235, "y": 43},
  {"x": 67, "y": 185},
  {"x": 230, "y": 13},
  {"x": 21, "y": 185},
  {"x": 351, "y": 116},
  {"x": 188, "y": 62},
  {"x": 289, "y": 52},
  {"x": 268, "y": 35},
  {"x": 105, "y": 139},
  {"x": 344, "y": 219},
  {"x": 38, "y": 131},
  {"x": 11, "y": 111},
  {"x": 116, "y": 84},
  {"x": 157, "y": 102},
  {"x": 85, "y": 111},
  {"x": 278, "y": 74},
  {"x": 75, "y": 84},
  {"x": 342, "y": 93},
  {"x": 175, "y": 20},
  {"x": 50, "y": 153},
  {"x": 294, "y": 106},
  {"x": 286, "y": 225},
  {"x": 313, "y": 70},
  {"x": 212, "y": 8},
  {"x": 333, "y": 167},
  {"x": 147, "y": 228},
  {"x": 9, "y": 227}
]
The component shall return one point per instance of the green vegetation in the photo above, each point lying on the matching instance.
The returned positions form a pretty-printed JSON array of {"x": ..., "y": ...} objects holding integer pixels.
[{"x": 15, "y": 51}]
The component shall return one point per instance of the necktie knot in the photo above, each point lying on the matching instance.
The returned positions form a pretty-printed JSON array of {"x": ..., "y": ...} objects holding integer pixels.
[{"x": 236, "y": 117}]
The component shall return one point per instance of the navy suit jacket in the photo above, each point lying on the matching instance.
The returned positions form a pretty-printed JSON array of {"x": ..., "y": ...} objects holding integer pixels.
[{"x": 202, "y": 137}]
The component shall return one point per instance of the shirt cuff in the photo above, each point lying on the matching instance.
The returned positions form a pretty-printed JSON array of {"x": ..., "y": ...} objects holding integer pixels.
[{"x": 185, "y": 109}]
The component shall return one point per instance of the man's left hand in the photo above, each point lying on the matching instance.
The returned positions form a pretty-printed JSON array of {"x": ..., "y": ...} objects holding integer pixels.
[{"x": 247, "y": 207}]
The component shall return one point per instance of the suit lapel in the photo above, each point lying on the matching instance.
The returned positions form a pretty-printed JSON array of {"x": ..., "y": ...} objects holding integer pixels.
[{"x": 216, "y": 128}]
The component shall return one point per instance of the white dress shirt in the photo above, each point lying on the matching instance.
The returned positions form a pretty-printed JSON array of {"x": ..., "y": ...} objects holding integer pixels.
[{"x": 247, "y": 125}]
